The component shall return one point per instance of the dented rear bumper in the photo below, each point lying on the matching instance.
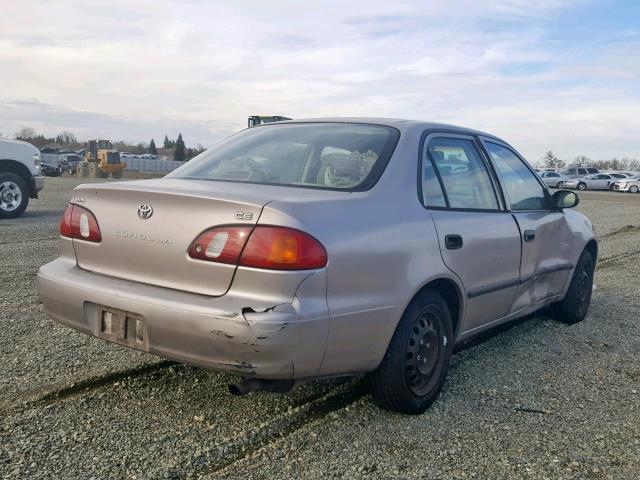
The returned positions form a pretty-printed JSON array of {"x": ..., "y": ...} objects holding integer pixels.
[{"x": 268, "y": 325}]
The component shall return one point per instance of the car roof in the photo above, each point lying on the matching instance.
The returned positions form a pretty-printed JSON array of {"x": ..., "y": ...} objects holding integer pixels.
[{"x": 399, "y": 123}]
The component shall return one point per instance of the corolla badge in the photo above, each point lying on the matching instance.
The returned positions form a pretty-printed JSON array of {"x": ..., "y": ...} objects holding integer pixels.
[{"x": 145, "y": 211}]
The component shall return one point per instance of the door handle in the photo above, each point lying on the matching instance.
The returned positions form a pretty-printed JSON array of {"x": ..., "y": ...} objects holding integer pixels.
[
  {"x": 529, "y": 235},
  {"x": 453, "y": 242}
]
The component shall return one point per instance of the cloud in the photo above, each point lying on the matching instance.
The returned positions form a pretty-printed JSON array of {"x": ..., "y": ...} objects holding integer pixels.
[{"x": 137, "y": 69}]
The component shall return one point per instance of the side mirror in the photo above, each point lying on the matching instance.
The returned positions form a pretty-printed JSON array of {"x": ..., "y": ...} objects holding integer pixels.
[{"x": 565, "y": 199}]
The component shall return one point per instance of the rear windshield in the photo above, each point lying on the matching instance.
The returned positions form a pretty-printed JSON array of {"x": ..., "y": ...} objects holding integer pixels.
[{"x": 342, "y": 156}]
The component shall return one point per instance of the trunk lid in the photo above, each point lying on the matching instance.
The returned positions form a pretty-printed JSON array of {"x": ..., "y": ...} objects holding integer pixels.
[{"x": 153, "y": 250}]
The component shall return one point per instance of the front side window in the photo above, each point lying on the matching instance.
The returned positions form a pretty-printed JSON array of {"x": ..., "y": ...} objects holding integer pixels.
[
  {"x": 520, "y": 184},
  {"x": 341, "y": 156},
  {"x": 455, "y": 165}
]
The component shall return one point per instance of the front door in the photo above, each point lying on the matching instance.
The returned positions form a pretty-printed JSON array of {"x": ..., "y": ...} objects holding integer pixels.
[
  {"x": 479, "y": 240},
  {"x": 544, "y": 233},
  {"x": 601, "y": 181}
]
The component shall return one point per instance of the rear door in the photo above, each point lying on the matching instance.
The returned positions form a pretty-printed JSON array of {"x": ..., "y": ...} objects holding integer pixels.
[
  {"x": 479, "y": 240},
  {"x": 544, "y": 233}
]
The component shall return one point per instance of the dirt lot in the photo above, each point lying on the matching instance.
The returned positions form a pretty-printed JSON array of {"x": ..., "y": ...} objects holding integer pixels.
[{"x": 535, "y": 400}]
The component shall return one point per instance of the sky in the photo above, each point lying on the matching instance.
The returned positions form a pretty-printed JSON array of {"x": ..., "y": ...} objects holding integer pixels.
[{"x": 560, "y": 75}]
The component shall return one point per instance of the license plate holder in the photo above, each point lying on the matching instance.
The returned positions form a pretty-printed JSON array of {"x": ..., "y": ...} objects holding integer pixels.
[{"x": 120, "y": 326}]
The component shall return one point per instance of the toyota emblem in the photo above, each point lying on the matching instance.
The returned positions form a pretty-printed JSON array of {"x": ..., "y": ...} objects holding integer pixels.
[{"x": 145, "y": 212}]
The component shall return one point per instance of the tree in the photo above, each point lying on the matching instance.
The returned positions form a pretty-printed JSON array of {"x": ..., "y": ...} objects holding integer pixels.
[
  {"x": 179, "y": 153},
  {"x": 152, "y": 147},
  {"x": 25, "y": 133},
  {"x": 167, "y": 143},
  {"x": 551, "y": 161},
  {"x": 66, "y": 138}
]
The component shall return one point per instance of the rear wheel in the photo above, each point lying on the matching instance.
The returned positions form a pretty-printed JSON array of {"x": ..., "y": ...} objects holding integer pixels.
[
  {"x": 582, "y": 186},
  {"x": 415, "y": 366},
  {"x": 14, "y": 195},
  {"x": 575, "y": 305}
]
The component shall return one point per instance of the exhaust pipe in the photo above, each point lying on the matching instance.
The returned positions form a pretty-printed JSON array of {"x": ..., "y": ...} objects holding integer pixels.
[{"x": 248, "y": 385}]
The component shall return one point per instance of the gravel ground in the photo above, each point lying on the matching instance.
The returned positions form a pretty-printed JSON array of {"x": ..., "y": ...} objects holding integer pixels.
[{"x": 535, "y": 399}]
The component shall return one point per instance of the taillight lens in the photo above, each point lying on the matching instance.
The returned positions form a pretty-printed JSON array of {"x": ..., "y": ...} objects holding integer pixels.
[
  {"x": 274, "y": 248},
  {"x": 221, "y": 244},
  {"x": 280, "y": 248},
  {"x": 78, "y": 222}
]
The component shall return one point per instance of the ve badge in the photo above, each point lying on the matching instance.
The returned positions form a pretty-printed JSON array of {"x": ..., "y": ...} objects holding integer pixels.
[{"x": 145, "y": 211}]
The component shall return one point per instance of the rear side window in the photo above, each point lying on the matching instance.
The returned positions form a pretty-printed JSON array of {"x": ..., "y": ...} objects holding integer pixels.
[
  {"x": 455, "y": 176},
  {"x": 322, "y": 155},
  {"x": 522, "y": 187}
]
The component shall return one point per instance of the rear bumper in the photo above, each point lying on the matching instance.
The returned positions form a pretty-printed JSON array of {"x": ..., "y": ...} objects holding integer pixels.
[{"x": 283, "y": 341}]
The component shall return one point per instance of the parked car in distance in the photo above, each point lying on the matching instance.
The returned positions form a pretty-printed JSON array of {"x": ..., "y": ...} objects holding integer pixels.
[
  {"x": 20, "y": 176},
  {"x": 69, "y": 162},
  {"x": 599, "y": 181},
  {"x": 630, "y": 184},
  {"x": 50, "y": 170},
  {"x": 149, "y": 156},
  {"x": 577, "y": 172},
  {"x": 308, "y": 249},
  {"x": 553, "y": 179}
]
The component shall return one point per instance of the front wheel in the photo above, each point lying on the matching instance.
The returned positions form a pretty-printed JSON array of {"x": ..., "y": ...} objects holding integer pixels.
[
  {"x": 415, "y": 366},
  {"x": 559, "y": 185},
  {"x": 633, "y": 189},
  {"x": 582, "y": 186},
  {"x": 14, "y": 195},
  {"x": 573, "y": 308}
]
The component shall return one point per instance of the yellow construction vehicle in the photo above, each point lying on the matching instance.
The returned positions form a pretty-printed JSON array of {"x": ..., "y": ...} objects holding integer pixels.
[
  {"x": 255, "y": 120},
  {"x": 100, "y": 160}
]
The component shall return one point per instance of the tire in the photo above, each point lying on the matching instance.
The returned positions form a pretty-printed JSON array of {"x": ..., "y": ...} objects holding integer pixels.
[
  {"x": 611, "y": 187},
  {"x": 573, "y": 308},
  {"x": 633, "y": 189},
  {"x": 117, "y": 174},
  {"x": 415, "y": 366},
  {"x": 14, "y": 195},
  {"x": 582, "y": 186},
  {"x": 559, "y": 185}
]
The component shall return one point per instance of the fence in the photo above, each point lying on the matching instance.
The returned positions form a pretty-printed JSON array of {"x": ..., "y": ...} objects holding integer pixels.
[
  {"x": 148, "y": 165},
  {"x": 135, "y": 164}
]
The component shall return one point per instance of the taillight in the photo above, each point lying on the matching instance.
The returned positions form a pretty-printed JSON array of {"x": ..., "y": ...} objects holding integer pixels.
[
  {"x": 221, "y": 244},
  {"x": 274, "y": 248},
  {"x": 280, "y": 248},
  {"x": 80, "y": 223}
]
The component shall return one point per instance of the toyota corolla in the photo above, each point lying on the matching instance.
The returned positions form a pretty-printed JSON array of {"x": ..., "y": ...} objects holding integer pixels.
[{"x": 319, "y": 248}]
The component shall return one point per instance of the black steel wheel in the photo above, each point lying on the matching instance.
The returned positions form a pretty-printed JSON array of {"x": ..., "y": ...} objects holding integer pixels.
[
  {"x": 412, "y": 373},
  {"x": 575, "y": 305}
]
